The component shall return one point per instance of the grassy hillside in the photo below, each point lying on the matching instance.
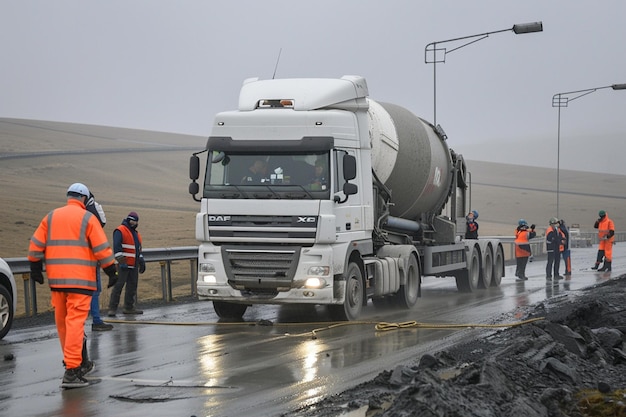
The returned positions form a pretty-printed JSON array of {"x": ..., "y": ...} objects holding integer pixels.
[{"x": 128, "y": 170}]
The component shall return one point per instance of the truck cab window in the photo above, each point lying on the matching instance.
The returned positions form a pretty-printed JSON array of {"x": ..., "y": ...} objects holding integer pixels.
[{"x": 294, "y": 175}]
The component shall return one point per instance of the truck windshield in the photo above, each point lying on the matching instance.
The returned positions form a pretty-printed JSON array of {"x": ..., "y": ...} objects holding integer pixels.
[{"x": 271, "y": 175}]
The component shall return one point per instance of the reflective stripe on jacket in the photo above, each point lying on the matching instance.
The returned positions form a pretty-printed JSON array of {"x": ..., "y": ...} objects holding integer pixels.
[
  {"x": 71, "y": 241},
  {"x": 130, "y": 249}
]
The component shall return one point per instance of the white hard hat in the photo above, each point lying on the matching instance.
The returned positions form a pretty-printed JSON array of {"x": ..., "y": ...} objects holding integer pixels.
[{"x": 78, "y": 188}]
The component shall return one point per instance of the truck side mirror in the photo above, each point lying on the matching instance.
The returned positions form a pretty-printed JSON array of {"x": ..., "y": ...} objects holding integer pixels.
[
  {"x": 194, "y": 174},
  {"x": 350, "y": 189},
  {"x": 194, "y": 168},
  {"x": 349, "y": 168}
]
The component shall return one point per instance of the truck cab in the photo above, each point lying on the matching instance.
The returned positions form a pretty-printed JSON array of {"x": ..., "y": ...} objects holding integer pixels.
[{"x": 315, "y": 194}]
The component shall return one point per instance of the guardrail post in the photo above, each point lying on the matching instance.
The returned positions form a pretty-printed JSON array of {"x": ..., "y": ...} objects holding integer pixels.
[
  {"x": 169, "y": 281},
  {"x": 163, "y": 286},
  {"x": 26, "y": 279},
  {"x": 33, "y": 296},
  {"x": 193, "y": 275}
]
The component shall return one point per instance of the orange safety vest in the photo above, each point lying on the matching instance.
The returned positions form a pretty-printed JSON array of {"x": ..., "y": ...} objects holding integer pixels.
[
  {"x": 71, "y": 241},
  {"x": 521, "y": 238},
  {"x": 604, "y": 226},
  {"x": 129, "y": 251}
]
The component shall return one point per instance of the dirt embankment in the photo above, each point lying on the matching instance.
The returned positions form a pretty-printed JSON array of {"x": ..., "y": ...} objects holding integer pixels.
[{"x": 571, "y": 362}]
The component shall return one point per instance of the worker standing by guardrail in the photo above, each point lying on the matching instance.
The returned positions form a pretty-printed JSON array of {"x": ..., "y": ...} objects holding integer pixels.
[
  {"x": 522, "y": 248},
  {"x": 606, "y": 233},
  {"x": 567, "y": 255},
  {"x": 128, "y": 253}
]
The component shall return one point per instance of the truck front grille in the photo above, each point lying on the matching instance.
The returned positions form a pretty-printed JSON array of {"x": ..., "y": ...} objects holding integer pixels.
[{"x": 260, "y": 269}]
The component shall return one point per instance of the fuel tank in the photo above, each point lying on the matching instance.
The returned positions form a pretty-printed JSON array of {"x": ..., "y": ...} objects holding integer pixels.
[{"x": 410, "y": 159}]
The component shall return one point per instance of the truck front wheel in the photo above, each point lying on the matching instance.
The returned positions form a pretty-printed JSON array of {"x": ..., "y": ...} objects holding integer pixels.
[
  {"x": 231, "y": 311},
  {"x": 353, "y": 302}
]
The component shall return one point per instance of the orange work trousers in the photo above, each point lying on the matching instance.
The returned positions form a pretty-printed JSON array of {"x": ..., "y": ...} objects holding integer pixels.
[
  {"x": 70, "y": 312},
  {"x": 607, "y": 247}
]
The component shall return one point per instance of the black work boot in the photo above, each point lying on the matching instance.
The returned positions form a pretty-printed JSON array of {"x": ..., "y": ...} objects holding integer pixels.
[
  {"x": 73, "y": 378},
  {"x": 595, "y": 267},
  {"x": 606, "y": 267}
]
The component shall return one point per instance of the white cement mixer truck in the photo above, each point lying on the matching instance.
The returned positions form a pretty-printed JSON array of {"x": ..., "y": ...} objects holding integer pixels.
[{"x": 315, "y": 194}]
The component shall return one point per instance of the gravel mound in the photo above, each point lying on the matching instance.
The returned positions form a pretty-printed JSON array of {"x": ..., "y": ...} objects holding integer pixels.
[{"x": 572, "y": 362}]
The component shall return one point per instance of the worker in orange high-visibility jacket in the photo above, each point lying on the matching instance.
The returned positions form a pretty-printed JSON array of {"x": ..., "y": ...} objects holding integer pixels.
[
  {"x": 70, "y": 241},
  {"x": 522, "y": 248},
  {"x": 606, "y": 238}
]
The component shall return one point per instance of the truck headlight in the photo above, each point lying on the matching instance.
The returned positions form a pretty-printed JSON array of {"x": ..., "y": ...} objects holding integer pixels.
[
  {"x": 206, "y": 268},
  {"x": 319, "y": 271},
  {"x": 209, "y": 279},
  {"x": 206, "y": 273},
  {"x": 315, "y": 282}
]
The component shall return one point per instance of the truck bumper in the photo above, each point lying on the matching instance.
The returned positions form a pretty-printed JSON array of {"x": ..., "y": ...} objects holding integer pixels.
[{"x": 293, "y": 296}]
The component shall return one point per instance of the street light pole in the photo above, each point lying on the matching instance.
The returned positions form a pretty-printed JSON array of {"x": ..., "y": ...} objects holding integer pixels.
[
  {"x": 518, "y": 29},
  {"x": 562, "y": 100}
]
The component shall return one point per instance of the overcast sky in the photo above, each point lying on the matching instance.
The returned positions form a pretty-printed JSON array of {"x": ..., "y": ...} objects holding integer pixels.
[{"x": 171, "y": 65}]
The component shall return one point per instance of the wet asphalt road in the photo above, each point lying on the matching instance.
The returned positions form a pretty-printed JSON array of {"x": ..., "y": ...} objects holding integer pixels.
[{"x": 180, "y": 360}]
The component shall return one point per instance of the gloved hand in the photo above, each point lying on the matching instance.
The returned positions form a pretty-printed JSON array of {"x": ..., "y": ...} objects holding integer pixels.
[
  {"x": 142, "y": 265},
  {"x": 111, "y": 271},
  {"x": 36, "y": 272},
  {"x": 532, "y": 226}
]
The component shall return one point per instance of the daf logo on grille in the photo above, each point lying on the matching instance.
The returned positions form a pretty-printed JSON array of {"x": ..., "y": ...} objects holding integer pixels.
[
  {"x": 306, "y": 219},
  {"x": 219, "y": 218}
]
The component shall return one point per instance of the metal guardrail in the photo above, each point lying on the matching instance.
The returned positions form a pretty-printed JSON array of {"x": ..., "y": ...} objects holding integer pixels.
[
  {"x": 164, "y": 256},
  {"x": 538, "y": 244}
]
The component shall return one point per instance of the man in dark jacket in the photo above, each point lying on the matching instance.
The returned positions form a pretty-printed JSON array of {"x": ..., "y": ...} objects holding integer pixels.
[
  {"x": 471, "y": 226},
  {"x": 554, "y": 243},
  {"x": 128, "y": 253}
]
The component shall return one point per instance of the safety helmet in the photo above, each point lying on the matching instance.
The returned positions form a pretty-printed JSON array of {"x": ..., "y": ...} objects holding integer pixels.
[
  {"x": 602, "y": 213},
  {"x": 78, "y": 189},
  {"x": 522, "y": 222},
  {"x": 554, "y": 220},
  {"x": 475, "y": 213}
]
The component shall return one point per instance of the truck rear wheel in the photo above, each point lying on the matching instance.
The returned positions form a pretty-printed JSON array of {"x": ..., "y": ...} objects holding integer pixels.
[
  {"x": 487, "y": 269},
  {"x": 498, "y": 267},
  {"x": 407, "y": 296},
  {"x": 226, "y": 310},
  {"x": 353, "y": 301},
  {"x": 467, "y": 280}
]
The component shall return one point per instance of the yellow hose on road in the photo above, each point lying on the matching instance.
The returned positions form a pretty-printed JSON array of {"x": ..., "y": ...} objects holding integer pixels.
[
  {"x": 378, "y": 326},
  {"x": 383, "y": 326}
]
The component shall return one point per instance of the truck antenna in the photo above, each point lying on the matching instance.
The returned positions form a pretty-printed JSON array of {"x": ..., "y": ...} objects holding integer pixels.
[{"x": 277, "y": 61}]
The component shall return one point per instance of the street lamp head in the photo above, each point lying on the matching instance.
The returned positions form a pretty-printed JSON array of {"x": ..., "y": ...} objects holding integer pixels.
[
  {"x": 618, "y": 86},
  {"x": 527, "y": 28}
]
